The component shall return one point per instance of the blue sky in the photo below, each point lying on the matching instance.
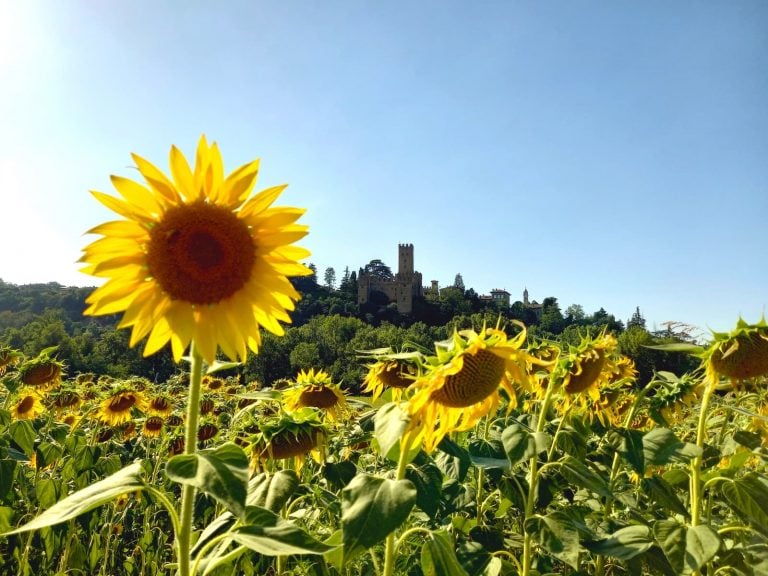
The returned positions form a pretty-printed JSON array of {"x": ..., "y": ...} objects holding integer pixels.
[{"x": 609, "y": 154}]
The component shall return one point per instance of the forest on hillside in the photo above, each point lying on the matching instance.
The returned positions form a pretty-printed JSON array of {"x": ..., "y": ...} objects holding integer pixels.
[{"x": 329, "y": 329}]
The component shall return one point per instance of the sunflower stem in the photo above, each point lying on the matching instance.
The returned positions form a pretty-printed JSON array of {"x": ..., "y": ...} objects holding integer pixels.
[
  {"x": 701, "y": 433},
  {"x": 402, "y": 465},
  {"x": 183, "y": 540},
  {"x": 533, "y": 484}
]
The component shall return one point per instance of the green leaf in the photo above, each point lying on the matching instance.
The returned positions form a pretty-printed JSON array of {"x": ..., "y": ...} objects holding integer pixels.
[
  {"x": 629, "y": 444},
  {"x": 7, "y": 475},
  {"x": 751, "y": 440},
  {"x": 519, "y": 443},
  {"x": 677, "y": 347},
  {"x": 557, "y": 535},
  {"x": 266, "y": 533},
  {"x": 623, "y": 544},
  {"x": 217, "y": 366},
  {"x": 748, "y": 497},
  {"x": 221, "y": 473},
  {"x": 6, "y": 518},
  {"x": 428, "y": 481},
  {"x": 272, "y": 491},
  {"x": 126, "y": 480},
  {"x": 452, "y": 459},
  {"x": 663, "y": 494},
  {"x": 23, "y": 434},
  {"x": 47, "y": 491},
  {"x": 390, "y": 423},
  {"x": 701, "y": 545},
  {"x": 371, "y": 508},
  {"x": 339, "y": 474},
  {"x": 578, "y": 473},
  {"x": 438, "y": 557},
  {"x": 661, "y": 446},
  {"x": 670, "y": 535}
]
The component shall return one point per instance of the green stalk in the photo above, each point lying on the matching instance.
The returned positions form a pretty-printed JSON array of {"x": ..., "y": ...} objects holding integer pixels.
[
  {"x": 701, "y": 433},
  {"x": 183, "y": 538},
  {"x": 533, "y": 484},
  {"x": 389, "y": 547}
]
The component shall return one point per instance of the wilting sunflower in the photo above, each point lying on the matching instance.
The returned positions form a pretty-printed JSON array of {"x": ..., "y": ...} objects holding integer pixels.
[
  {"x": 160, "y": 405},
  {"x": 584, "y": 370},
  {"x": 288, "y": 436},
  {"x": 462, "y": 384},
  {"x": 28, "y": 406},
  {"x": 196, "y": 257},
  {"x": 9, "y": 357},
  {"x": 42, "y": 372},
  {"x": 740, "y": 354},
  {"x": 316, "y": 390},
  {"x": 118, "y": 407},
  {"x": 153, "y": 427},
  {"x": 673, "y": 394},
  {"x": 392, "y": 371},
  {"x": 64, "y": 400}
]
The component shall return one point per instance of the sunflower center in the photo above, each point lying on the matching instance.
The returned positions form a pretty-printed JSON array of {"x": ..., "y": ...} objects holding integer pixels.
[
  {"x": 749, "y": 360},
  {"x": 590, "y": 371},
  {"x": 201, "y": 253},
  {"x": 478, "y": 378},
  {"x": 286, "y": 444},
  {"x": 26, "y": 405},
  {"x": 122, "y": 403},
  {"x": 394, "y": 378},
  {"x": 41, "y": 374},
  {"x": 318, "y": 397}
]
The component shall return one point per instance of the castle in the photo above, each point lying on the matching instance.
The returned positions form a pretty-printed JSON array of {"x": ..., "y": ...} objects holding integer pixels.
[{"x": 402, "y": 289}]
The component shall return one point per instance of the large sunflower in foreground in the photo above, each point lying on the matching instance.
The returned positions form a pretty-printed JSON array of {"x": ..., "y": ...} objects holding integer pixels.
[
  {"x": 462, "y": 385},
  {"x": 196, "y": 256}
]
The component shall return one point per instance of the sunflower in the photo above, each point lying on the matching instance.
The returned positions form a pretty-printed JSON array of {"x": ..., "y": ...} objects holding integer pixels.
[
  {"x": 288, "y": 436},
  {"x": 584, "y": 370},
  {"x": 64, "y": 399},
  {"x": 28, "y": 406},
  {"x": 212, "y": 383},
  {"x": 741, "y": 354},
  {"x": 153, "y": 427},
  {"x": 673, "y": 394},
  {"x": 160, "y": 405},
  {"x": 9, "y": 357},
  {"x": 393, "y": 371},
  {"x": 462, "y": 383},
  {"x": 316, "y": 390},
  {"x": 42, "y": 372},
  {"x": 196, "y": 257},
  {"x": 118, "y": 407}
]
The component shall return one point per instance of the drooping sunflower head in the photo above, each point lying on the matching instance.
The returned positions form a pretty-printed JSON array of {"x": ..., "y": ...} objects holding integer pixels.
[
  {"x": 315, "y": 389},
  {"x": 119, "y": 406},
  {"x": 9, "y": 357},
  {"x": 588, "y": 365},
  {"x": 160, "y": 405},
  {"x": 288, "y": 436},
  {"x": 196, "y": 257},
  {"x": 42, "y": 372},
  {"x": 672, "y": 395},
  {"x": 28, "y": 405},
  {"x": 461, "y": 383},
  {"x": 64, "y": 399},
  {"x": 741, "y": 354},
  {"x": 394, "y": 371}
]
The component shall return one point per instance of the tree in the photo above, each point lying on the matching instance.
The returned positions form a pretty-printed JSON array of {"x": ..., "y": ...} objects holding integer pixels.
[
  {"x": 551, "y": 318},
  {"x": 575, "y": 314},
  {"x": 458, "y": 282},
  {"x": 636, "y": 320},
  {"x": 377, "y": 269},
  {"x": 330, "y": 278}
]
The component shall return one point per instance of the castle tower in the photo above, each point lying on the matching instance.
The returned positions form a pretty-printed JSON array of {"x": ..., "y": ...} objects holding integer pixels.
[
  {"x": 405, "y": 260},
  {"x": 525, "y": 297}
]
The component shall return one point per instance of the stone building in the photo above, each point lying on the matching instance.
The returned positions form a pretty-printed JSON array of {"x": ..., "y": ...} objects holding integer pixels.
[{"x": 401, "y": 289}]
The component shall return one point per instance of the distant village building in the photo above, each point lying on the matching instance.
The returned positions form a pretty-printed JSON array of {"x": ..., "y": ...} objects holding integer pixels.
[
  {"x": 498, "y": 297},
  {"x": 534, "y": 306},
  {"x": 402, "y": 289}
]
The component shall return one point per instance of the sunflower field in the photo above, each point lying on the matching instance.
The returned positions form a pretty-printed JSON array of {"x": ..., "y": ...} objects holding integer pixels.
[{"x": 492, "y": 453}]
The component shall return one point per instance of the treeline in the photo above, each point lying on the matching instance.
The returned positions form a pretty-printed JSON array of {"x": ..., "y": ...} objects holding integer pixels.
[{"x": 329, "y": 330}]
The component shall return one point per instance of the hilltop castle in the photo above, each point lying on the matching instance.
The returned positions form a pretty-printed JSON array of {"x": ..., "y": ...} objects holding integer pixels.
[{"x": 402, "y": 289}]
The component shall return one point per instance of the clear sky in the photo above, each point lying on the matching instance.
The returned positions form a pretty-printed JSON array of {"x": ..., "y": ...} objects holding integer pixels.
[{"x": 609, "y": 154}]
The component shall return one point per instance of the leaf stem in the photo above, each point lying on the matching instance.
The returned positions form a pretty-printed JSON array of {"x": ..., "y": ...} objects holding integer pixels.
[{"x": 402, "y": 464}]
